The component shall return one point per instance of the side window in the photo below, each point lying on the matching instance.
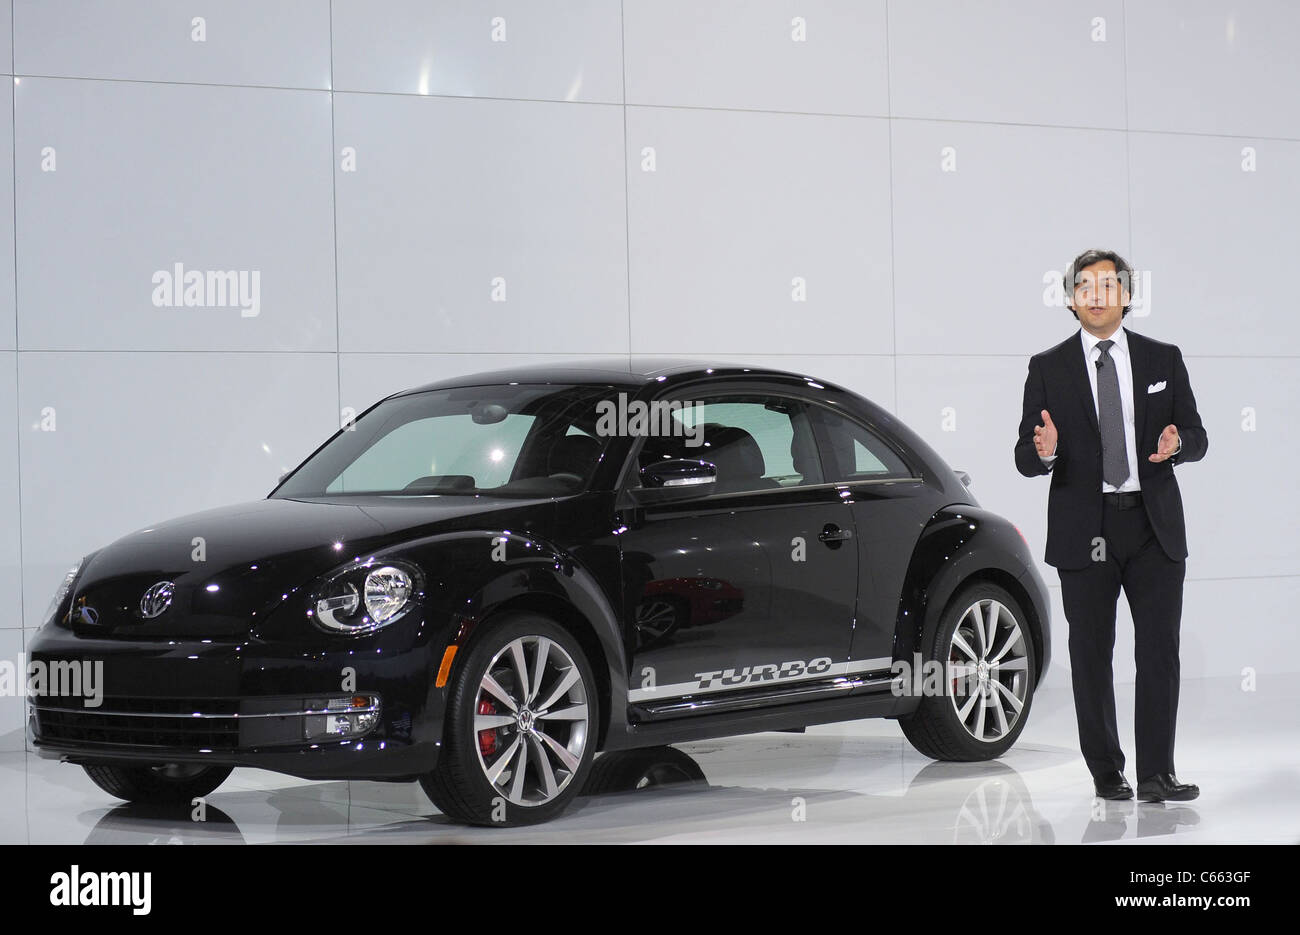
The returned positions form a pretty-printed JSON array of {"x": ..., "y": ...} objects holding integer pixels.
[
  {"x": 758, "y": 442},
  {"x": 854, "y": 452}
]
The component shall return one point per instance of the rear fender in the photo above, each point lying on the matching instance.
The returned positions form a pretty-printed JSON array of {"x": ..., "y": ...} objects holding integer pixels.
[{"x": 962, "y": 544}]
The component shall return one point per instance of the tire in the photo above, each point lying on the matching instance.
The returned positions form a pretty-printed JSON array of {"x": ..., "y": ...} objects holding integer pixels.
[
  {"x": 166, "y": 783},
  {"x": 492, "y": 721},
  {"x": 975, "y": 717},
  {"x": 628, "y": 770}
]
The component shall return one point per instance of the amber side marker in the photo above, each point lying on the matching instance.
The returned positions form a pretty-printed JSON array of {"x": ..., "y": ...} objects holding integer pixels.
[{"x": 444, "y": 670}]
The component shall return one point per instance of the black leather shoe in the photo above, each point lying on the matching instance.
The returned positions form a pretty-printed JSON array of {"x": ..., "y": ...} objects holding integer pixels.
[
  {"x": 1166, "y": 787},
  {"x": 1112, "y": 785}
]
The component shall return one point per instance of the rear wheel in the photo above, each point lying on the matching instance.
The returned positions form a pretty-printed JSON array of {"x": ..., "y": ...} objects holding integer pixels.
[
  {"x": 164, "y": 783},
  {"x": 521, "y": 724},
  {"x": 986, "y": 657}
]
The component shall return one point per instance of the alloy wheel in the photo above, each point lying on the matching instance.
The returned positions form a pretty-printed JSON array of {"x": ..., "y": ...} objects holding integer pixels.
[
  {"x": 531, "y": 720},
  {"x": 988, "y": 670}
]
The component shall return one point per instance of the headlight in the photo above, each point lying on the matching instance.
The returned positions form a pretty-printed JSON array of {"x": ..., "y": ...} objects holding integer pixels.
[
  {"x": 61, "y": 593},
  {"x": 365, "y": 596},
  {"x": 387, "y": 591}
]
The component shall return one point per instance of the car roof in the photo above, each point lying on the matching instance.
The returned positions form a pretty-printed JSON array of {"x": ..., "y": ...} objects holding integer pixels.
[{"x": 626, "y": 371}]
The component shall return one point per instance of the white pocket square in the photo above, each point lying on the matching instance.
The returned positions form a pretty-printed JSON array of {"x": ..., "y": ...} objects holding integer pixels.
[{"x": 1156, "y": 387}]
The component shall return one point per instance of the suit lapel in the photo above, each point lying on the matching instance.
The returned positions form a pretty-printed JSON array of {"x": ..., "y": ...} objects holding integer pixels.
[
  {"x": 1080, "y": 386},
  {"x": 1137, "y": 349}
]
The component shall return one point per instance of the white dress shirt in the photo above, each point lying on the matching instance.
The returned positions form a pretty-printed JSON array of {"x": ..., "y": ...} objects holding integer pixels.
[{"x": 1119, "y": 355}]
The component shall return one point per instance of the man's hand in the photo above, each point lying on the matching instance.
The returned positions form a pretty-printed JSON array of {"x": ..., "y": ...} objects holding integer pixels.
[
  {"x": 1045, "y": 436},
  {"x": 1167, "y": 445}
]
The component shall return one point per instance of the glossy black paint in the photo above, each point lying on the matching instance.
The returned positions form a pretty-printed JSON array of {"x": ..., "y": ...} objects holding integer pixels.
[{"x": 884, "y": 556}]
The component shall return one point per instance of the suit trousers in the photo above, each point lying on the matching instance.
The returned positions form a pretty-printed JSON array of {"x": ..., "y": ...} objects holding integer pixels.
[{"x": 1153, "y": 585}]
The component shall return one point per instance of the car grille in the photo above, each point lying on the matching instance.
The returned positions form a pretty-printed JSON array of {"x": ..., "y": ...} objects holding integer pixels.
[{"x": 140, "y": 722}]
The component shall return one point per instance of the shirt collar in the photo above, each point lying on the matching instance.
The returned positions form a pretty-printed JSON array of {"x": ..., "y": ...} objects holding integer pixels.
[{"x": 1120, "y": 337}]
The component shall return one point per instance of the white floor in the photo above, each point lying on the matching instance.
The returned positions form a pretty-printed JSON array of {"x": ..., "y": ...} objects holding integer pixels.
[{"x": 858, "y": 782}]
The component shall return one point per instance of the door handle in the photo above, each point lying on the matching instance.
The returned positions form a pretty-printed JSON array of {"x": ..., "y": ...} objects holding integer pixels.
[{"x": 832, "y": 533}]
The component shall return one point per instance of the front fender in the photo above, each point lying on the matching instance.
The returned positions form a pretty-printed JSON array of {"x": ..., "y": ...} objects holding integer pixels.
[{"x": 486, "y": 572}]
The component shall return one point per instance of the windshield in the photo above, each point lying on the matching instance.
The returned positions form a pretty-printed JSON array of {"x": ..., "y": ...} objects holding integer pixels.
[{"x": 507, "y": 440}]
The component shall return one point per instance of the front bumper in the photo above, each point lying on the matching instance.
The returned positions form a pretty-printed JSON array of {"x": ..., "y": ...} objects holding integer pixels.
[{"x": 241, "y": 702}]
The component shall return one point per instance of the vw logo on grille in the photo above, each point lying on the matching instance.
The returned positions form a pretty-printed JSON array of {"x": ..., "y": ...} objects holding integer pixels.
[{"x": 157, "y": 599}]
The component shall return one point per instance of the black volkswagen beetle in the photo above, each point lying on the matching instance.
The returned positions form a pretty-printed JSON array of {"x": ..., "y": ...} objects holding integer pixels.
[{"x": 482, "y": 583}]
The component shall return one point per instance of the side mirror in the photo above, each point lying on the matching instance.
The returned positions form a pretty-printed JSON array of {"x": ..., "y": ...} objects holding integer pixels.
[{"x": 679, "y": 472}]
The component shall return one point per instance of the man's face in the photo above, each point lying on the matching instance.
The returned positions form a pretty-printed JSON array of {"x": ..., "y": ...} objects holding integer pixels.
[{"x": 1100, "y": 297}]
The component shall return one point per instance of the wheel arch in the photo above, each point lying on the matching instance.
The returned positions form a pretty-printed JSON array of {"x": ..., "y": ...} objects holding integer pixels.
[
  {"x": 960, "y": 546},
  {"x": 549, "y": 582}
]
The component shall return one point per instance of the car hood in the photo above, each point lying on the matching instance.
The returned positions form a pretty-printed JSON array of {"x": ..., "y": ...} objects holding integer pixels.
[{"x": 233, "y": 565}]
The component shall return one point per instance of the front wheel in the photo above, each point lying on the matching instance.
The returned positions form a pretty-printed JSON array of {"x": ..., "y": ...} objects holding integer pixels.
[
  {"x": 166, "y": 783},
  {"x": 977, "y": 706},
  {"x": 520, "y": 734}
]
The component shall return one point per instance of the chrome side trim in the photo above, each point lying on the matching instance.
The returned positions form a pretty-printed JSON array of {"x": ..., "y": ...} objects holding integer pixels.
[
  {"x": 794, "y": 693},
  {"x": 689, "y": 689},
  {"x": 200, "y": 715}
]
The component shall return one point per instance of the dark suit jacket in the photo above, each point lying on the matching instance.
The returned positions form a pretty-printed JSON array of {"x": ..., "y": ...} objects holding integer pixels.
[{"x": 1058, "y": 382}]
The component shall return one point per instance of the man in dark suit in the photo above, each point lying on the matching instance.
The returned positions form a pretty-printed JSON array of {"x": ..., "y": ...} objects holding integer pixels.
[{"x": 1108, "y": 413}]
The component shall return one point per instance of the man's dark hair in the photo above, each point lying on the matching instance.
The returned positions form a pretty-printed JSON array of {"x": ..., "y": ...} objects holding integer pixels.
[{"x": 1088, "y": 258}]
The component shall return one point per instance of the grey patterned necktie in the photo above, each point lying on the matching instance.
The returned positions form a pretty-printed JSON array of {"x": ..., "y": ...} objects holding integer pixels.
[{"x": 1110, "y": 419}]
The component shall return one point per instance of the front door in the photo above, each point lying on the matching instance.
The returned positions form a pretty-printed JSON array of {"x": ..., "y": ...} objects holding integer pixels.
[{"x": 745, "y": 584}]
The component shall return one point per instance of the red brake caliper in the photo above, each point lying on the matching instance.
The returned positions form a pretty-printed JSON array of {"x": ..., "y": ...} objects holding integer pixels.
[{"x": 487, "y": 739}]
